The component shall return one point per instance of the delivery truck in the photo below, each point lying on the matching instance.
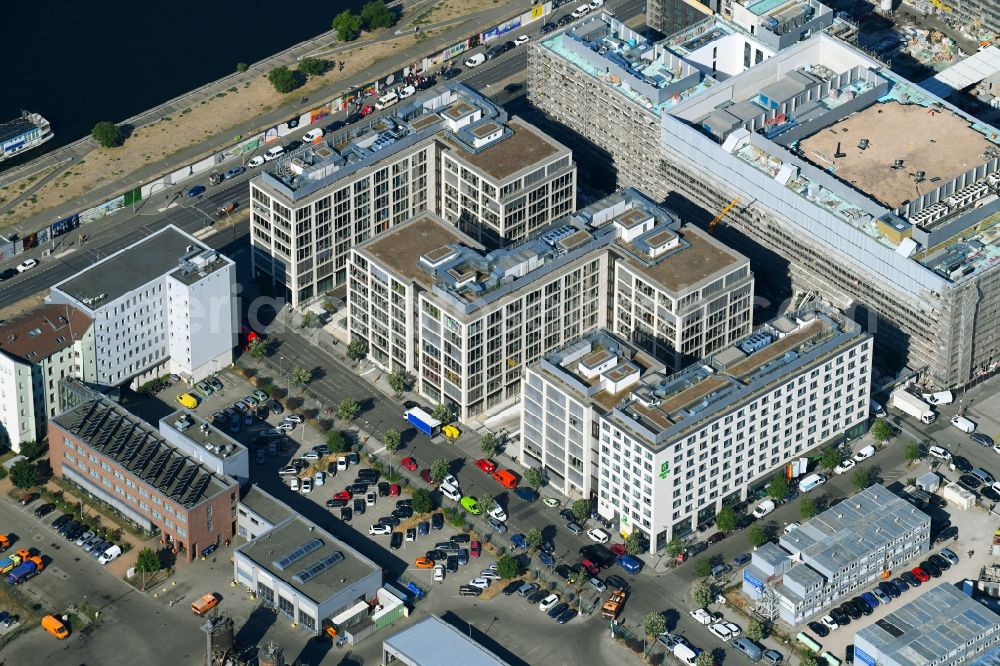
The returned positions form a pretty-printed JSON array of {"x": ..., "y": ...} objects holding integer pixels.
[
  {"x": 423, "y": 421},
  {"x": 25, "y": 570},
  {"x": 8, "y": 563},
  {"x": 613, "y": 606},
  {"x": 910, "y": 404}
]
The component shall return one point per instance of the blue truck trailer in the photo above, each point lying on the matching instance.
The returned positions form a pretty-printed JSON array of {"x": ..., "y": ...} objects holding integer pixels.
[{"x": 423, "y": 421}]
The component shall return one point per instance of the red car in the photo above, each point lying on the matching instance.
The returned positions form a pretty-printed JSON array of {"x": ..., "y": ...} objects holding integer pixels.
[
  {"x": 474, "y": 549},
  {"x": 425, "y": 474},
  {"x": 617, "y": 548},
  {"x": 394, "y": 490},
  {"x": 366, "y": 109},
  {"x": 591, "y": 568},
  {"x": 343, "y": 495},
  {"x": 487, "y": 466},
  {"x": 410, "y": 464},
  {"x": 921, "y": 575}
]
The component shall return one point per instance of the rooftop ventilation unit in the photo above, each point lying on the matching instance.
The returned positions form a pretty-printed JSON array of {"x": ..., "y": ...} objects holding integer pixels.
[
  {"x": 897, "y": 164},
  {"x": 863, "y": 144}
]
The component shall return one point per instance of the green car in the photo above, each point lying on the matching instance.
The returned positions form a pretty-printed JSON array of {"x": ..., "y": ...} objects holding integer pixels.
[{"x": 471, "y": 505}]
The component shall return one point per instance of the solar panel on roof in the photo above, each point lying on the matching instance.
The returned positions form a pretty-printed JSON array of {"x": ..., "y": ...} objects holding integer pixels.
[
  {"x": 144, "y": 456},
  {"x": 297, "y": 554},
  {"x": 172, "y": 472},
  {"x": 197, "y": 489},
  {"x": 315, "y": 569},
  {"x": 178, "y": 491},
  {"x": 157, "y": 466}
]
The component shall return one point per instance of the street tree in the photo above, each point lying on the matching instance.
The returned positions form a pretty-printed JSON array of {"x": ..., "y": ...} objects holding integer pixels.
[
  {"x": 533, "y": 538},
  {"x": 423, "y": 501},
  {"x": 654, "y": 624},
  {"x": 704, "y": 658},
  {"x": 440, "y": 468},
  {"x": 486, "y": 503},
  {"x": 24, "y": 474},
  {"x": 533, "y": 478},
  {"x": 33, "y": 449},
  {"x": 391, "y": 439},
  {"x": 757, "y": 535},
  {"x": 755, "y": 630},
  {"x": 336, "y": 441},
  {"x": 581, "y": 509},
  {"x": 347, "y": 25},
  {"x": 310, "y": 319},
  {"x": 376, "y": 15},
  {"x": 508, "y": 567},
  {"x": 808, "y": 508},
  {"x": 147, "y": 560},
  {"x": 911, "y": 452},
  {"x": 830, "y": 457},
  {"x": 881, "y": 430},
  {"x": 301, "y": 376},
  {"x": 347, "y": 409},
  {"x": 257, "y": 349},
  {"x": 399, "y": 381},
  {"x": 702, "y": 567},
  {"x": 702, "y": 593},
  {"x": 807, "y": 658},
  {"x": 674, "y": 547},
  {"x": 107, "y": 134},
  {"x": 242, "y": 67},
  {"x": 357, "y": 349},
  {"x": 441, "y": 412},
  {"x": 862, "y": 478},
  {"x": 489, "y": 445},
  {"x": 313, "y": 66},
  {"x": 283, "y": 79},
  {"x": 636, "y": 543},
  {"x": 777, "y": 487},
  {"x": 725, "y": 520}
]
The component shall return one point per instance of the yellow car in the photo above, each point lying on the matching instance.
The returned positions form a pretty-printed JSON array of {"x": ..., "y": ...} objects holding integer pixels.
[
  {"x": 450, "y": 431},
  {"x": 187, "y": 400}
]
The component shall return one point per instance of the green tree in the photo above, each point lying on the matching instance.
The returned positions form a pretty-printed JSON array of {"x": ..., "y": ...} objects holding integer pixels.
[
  {"x": 581, "y": 509},
  {"x": 807, "y": 658},
  {"x": 830, "y": 457},
  {"x": 881, "y": 430},
  {"x": 313, "y": 66},
  {"x": 357, "y": 349},
  {"x": 508, "y": 567},
  {"x": 703, "y": 594},
  {"x": 441, "y": 412},
  {"x": 310, "y": 319},
  {"x": 347, "y": 409},
  {"x": 301, "y": 376},
  {"x": 725, "y": 520},
  {"x": 486, "y": 503},
  {"x": 704, "y": 658},
  {"x": 533, "y": 478},
  {"x": 391, "y": 439},
  {"x": 636, "y": 542},
  {"x": 489, "y": 445},
  {"x": 777, "y": 487},
  {"x": 33, "y": 449},
  {"x": 533, "y": 538},
  {"x": 147, "y": 560},
  {"x": 674, "y": 547},
  {"x": 654, "y": 624},
  {"x": 702, "y": 567},
  {"x": 242, "y": 67},
  {"x": 911, "y": 452},
  {"x": 24, "y": 474},
  {"x": 336, "y": 441},
  {"x": 755, "y": 630},
  {"x": 862, "y": 478},
  {"x": 283, "y": 80},
  {"x": 257, "y": 348},
  {"x": 399, "y": 381},
  {"x": 808, "y": 508},
  {"x": 423, "y": 501},
  {"x": 347, "y": 25},
  {"x": 376, "y": 15},
  {"x": 107, "y": 134},
  {"x": 440, "y": 468},
  {"x": 757, "y": 535}
]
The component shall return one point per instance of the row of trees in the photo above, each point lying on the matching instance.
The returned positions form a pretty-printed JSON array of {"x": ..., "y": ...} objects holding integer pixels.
[
  {"x": 286, "y": 80},
  {"x": 374, "y": 15}
]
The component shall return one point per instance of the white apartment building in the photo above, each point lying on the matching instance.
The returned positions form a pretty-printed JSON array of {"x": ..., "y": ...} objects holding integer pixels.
[
  {"x": 431, "y": 301},
  {"x": 674, "y": 448},
  {"x": 165, "y": 304},
  {"x": 449, "y": 151},
  {"x": 37, "y": 349}
]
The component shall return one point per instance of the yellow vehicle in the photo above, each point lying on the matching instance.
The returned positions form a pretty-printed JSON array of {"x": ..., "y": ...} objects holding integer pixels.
[
  {"x": 450, "y": 431},
  {"x": 55, "y": 627},
  {"x": 187, "y": 400}
]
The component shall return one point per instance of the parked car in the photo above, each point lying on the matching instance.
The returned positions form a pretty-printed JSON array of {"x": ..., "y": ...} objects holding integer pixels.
[
  {"x": 475, "y": 61},
  {"x": 235, "y": 171},
  {"x": 255, "y": 162}
]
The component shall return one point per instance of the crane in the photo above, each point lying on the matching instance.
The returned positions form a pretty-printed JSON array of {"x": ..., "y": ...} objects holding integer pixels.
[{"x": 722, "y": 214}]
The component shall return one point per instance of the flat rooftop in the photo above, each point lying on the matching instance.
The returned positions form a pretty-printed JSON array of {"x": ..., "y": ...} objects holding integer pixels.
[
  {"x": 934, "y": 140},
  {"x": 701, "y": 259},
  {"x": 524, "y": 147},
  {"x": 434, "y": 642},
  {"x": 202, "y": 433},
  {"x": 305, "y": 557},
  {"x": 132, "y": 443},
  {"x": 264, "y": 505},
  {"x": 131, "y": 267},
  {"x": 43, "y": 331}
]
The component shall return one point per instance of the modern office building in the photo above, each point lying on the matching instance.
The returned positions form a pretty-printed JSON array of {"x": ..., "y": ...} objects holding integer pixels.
[
  {"x": 165, "y": 304},
  {"x": 308, "y": 575},
  {"x": 465, "y": 322},
  {"x": 669, "y": 16},
  {"x": 434, "y": 642},
  {"x": 124, "y": 462},
  {"x": 202, "y": 441},
  {"x": 37, "y": 349},
  {"x": 804, "y": 145},
  {"x": 673, "y": 449},
  {"x": 939, "y": 626},
  {"x": 448, "y": 151},
  {"x": 837, "y": 553}
]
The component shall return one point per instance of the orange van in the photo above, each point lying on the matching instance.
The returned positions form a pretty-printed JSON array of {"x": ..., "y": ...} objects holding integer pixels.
[
  {"x": 54, "y": 626},
  {"x": 204, "y": 604},
  {"x": 505, "y": 478}
]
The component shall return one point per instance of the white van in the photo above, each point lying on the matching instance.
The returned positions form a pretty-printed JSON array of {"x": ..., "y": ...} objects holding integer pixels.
[
  {"x": 864, "y": 454},
  {"x": 963, "y": 424},
  {"x": 811, "y": 482},
  {"x": 110, "y": 554},
  {"x": 274, "y": 153},
  {"x": 685, "y": 654},
  {"x": 386, "y": 100},
  {"x": 940, "y": 398}
]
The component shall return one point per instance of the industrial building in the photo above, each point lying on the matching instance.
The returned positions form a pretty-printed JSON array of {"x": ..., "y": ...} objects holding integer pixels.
[
  {"x": 835, "y": 554},
  {"x": 434, "y": 642},
  {"x": 448, "y": 151},
  {"x": 37, "y": 349},
  {"x": 431, "y": 301},
  {"x": 939, "y": 626},
  {"x": 149, "y": 301},
  {"x": 118, "y": 458},
  {"x": 674, "y": 448},
  {"x": 805, "y": 147},
  {"x": 205, "y": 443}
]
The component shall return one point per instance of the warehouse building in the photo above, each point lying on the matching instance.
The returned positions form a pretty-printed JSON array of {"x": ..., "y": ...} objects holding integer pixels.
[
  {"x": 434, "y": 642},
  {"x": 448, "y": 151},
  {"x": 807, "y": 151},
  {"x": 835, "y": 554},
  {"x": 940, "y": 626}
]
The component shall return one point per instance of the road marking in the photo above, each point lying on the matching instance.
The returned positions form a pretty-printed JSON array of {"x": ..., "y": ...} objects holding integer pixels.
[{"x": 64, "y": 253}]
